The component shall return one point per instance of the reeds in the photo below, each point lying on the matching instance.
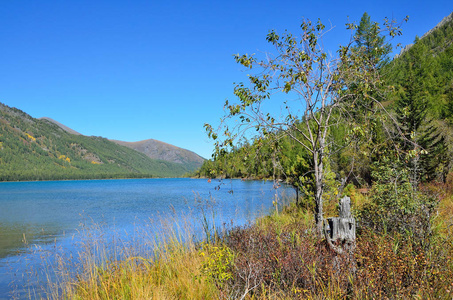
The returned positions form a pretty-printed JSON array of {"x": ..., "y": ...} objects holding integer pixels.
[
  {"x": 158, "y": 259},
  {"x": 278, "y": 257}
]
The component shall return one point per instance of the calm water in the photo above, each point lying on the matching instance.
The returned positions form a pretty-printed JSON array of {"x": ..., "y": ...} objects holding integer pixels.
[{"x": 48, "y": 217}]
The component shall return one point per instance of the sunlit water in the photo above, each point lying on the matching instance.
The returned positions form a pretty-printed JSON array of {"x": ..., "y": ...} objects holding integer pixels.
[{"x": 39, "y": 220}]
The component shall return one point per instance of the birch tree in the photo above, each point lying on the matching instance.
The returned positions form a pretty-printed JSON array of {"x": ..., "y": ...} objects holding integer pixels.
[{"x": 312, "y": 87}]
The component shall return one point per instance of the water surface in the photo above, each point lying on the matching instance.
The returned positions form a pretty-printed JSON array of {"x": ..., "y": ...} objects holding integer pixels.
[{"x": 50, "y": 215}]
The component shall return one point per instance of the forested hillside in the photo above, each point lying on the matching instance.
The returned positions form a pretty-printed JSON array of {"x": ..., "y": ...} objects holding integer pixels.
[
  {"x": 418, "y": 99},
  {"x": 33, "y": 149},
  {"x": 422, "y": 101},
  {"x": 159, "y": 150}
]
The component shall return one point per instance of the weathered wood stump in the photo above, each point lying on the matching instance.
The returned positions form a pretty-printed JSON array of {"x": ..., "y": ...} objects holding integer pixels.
[
  {"x": 342, "y": 228},
  {"x": 340, "y": 235}
]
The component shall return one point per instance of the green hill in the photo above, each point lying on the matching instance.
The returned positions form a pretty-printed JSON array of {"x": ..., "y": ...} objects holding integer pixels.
[
  {"x": 159, "y": 150},
  {"x": 419, "y": 96},
  {"x": 428, "y": 64},
  {"x": 38, "y": 149}
]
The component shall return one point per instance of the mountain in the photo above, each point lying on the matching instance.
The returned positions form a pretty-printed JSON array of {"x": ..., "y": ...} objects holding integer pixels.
[
  {"x": 442, "y": 26},
  {"x": 159, "y": 150},
  {"x": 439, "y": 26},
  {"x": 65, "y": 128},
  {"x": 39, "y": 149},
  {"x": 154, "y": 149},
  {"x": 428, "y": 66}
]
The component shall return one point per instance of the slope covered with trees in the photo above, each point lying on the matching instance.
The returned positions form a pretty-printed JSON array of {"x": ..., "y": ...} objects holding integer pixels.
[
  {"x": 419, "y": 101},
  {"x": 33, "y": 149},
  {"x": 155, "y": 149},
  {"x": 422, "y": 78}
]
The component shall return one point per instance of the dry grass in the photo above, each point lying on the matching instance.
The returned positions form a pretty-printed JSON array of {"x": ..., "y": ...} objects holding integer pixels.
[
  {"x": 277, "y": 258},
  {"x": 167, "y": 265},
  {"x": 174, "y": 274}
]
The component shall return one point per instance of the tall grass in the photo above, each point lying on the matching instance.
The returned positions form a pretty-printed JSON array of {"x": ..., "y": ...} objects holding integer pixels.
[
  {"x": 173, "y": 273},
  {"x": 277, "y": 257},
  {"x": 163, "y": 265},
  {"x": 160, "y": 259}
]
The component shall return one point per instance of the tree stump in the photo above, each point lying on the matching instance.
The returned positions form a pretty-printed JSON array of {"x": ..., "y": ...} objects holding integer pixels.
[
  {"x": 340, "y": 235},
  {"x": 342, "y": 228}
]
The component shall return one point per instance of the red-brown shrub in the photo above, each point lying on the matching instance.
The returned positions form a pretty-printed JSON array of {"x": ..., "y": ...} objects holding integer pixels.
[{"x": 290, "y": 262}]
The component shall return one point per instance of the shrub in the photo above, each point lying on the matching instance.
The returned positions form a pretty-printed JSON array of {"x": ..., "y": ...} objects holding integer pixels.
[
  {"x": 285, "y": 261},
  {"x": 396, "y": 206},
  {"x": 388, "y": 267},
  {"x": 217, "y": 262}
]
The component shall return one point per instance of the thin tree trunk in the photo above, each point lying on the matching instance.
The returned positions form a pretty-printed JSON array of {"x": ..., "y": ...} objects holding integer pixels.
[{"x": 319, "y": 215}]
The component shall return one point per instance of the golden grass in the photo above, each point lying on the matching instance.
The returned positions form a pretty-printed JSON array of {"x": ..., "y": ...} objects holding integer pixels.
[
  {"x": 163, "y": 266},
  {"x": 289, "y": 215},
  {"x": 175, "y": 274},
  {"x": 175, "y": 268},
  {"x": 444, "y": 219}
]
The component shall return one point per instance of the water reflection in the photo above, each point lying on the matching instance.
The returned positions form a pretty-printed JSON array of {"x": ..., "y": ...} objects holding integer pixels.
[
  {"x": 56, "y": 217},
  {"x": 15, "y": 237}
]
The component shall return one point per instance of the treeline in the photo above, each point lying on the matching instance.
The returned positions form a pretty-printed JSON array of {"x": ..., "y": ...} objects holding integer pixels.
[
  {"x": 419, "y": 118},
  {"x": 32, "y": 149}
]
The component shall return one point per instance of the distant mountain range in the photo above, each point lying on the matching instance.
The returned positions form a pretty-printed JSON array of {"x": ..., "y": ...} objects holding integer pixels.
[
  {"x": 44, "y": 149},
  {"x": 154, "y": 149},
  {"x": 159, "y": 150}
]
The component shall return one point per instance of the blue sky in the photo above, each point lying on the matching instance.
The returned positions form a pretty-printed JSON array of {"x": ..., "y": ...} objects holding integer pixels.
[{"x": 135, "y": 70}]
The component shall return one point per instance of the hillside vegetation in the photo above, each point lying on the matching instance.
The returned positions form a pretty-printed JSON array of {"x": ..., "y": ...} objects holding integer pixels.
[
  {"x": 34, "y": 149},
  {"x": 419, "y": 99},
  {"x": 159, "y": 150}
]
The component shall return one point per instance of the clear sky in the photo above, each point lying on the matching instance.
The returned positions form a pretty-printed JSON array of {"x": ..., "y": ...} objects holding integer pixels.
[{"x": 135, "y": 70}]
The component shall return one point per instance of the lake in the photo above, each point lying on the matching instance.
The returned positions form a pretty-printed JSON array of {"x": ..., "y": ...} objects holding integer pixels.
[{"x": 39, "y": 220}]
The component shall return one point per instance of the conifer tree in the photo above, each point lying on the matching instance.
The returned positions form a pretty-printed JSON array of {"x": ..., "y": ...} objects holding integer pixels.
[
  {"x": 368, "y": 36},
  {"x": 367, "y": 132},
  {"x": 420, "y": 140}
]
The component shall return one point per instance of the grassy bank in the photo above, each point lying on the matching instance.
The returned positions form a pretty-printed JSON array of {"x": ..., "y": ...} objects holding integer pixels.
[{"x": 279, "y": 257}]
